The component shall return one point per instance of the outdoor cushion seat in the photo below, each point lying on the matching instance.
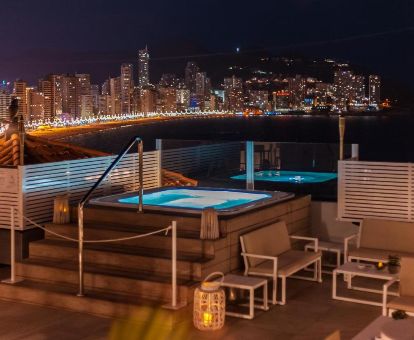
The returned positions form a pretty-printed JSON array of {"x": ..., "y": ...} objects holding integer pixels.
[
  {"x": 289, "y": 262},
  {"x": 378, "y": 239},
  {"x": 405, "y": 303},
  {"x": 267, "y": 251}
]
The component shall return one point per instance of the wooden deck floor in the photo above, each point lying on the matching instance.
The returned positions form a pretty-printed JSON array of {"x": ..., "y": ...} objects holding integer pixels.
[{"x": 310, "y": 313}]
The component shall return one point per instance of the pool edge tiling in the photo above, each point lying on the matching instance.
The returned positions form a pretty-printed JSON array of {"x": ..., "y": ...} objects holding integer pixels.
[{"x": 186, "y": 200}]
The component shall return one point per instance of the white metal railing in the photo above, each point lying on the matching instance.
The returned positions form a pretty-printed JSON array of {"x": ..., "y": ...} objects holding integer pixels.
[{"x": 172, "y": 227}]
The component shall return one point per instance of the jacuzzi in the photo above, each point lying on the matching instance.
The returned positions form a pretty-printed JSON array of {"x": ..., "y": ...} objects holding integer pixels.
[
  {"x": 194, "y": 199},
  {"x": 295, "y": 177}
]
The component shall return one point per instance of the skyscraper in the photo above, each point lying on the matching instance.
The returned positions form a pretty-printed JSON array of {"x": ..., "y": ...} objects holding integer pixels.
[
  {"x": 127, "y": 87},
  {"x": 69, "y": 100},
  {"x": 297, "y": 91},
  {"x": 83, "y": 88},
  {"x": 233, "y": 92},
  {"x": 45, "y": 87},
  {"x": 20, "y": 93},
  {"x": 374, "y": 89},
  {"x": 4, "y": 104},
  {"x": 191, "y": 71},
  {"x": 143, "y": 68}
]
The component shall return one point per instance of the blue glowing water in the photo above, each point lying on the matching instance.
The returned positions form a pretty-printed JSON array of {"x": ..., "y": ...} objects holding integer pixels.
[
  {"x": 290, "y": 176},
  {"x": 197, "y": 199}
]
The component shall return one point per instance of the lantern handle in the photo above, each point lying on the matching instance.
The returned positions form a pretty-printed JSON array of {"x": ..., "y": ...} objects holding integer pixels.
[{"x": 208, "y": 277}]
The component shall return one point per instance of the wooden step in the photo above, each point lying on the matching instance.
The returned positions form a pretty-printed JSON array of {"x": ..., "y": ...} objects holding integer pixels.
[
  {"x": 188, "y": 240},
  {"x": 121, "y": 256},
  {"x": 150, "y": 286},
  {"x": 94, "y": 302}
]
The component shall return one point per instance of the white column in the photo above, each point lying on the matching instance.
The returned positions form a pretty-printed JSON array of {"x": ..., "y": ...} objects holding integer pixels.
[{"x": 250, "y": 165}]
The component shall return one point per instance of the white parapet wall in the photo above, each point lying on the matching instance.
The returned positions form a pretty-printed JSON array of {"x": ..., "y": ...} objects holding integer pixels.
[
  {"x": 382, "y": 190},
  {"x": 31, "y": 189}
]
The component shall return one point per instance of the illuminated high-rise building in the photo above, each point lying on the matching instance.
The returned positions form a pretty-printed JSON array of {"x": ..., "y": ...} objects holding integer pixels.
[
  {"x": 168, "y": 99},
  {"x": 57, "y": 94},
  {"x": 95, "y": 97},
  {"x": 5, "y": 100},
  {"x": 69, "y": 96},
  {"x": 20, "y": 92},
  {"x": 349, "y": 88},
  {"x": 143, "y": 68},
  {"x": 233, "y": 91},
  {"x": 35, "y": 104},
  {"x": 45, "y": 87},
  {"x": 148, "y": 100},
  {"x": 183, "y": 98},
  {"x": 191, "y": 71},
  {"x": 86, "y": 106},
  {"x": 115, "y": 93},
  {"x": 259, "y": 99},
  {"x": 127, "y": 87},
  {"x": 297, "y": 91},
  {"x": 83, "y": 88},
  {"x": 374, "y": 89}
]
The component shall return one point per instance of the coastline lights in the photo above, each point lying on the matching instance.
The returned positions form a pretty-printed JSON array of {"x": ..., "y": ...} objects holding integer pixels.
[
  {"x": 43, "y": 124},
  {"x": 209, "y": 304}
]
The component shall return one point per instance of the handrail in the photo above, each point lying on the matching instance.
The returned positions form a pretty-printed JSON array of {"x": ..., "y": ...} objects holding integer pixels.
[{"x": 87, "y": 196}]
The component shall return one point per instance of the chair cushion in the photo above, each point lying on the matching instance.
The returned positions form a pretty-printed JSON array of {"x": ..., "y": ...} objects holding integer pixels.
[
  {"x": 394, "y": 236},
  {"x": 289, "y": 263},
  {"x": 270, "y": 240},
  {"x": 405, "y": 303}
]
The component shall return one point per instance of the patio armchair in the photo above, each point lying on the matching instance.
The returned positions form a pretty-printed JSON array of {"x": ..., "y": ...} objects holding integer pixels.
[
  {"x": 378, "y": 239},
  {"x": 267, "y": 252},
  {"x": 405, "y": 301}
]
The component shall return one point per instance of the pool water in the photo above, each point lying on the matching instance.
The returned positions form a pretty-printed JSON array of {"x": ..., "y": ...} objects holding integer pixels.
[
  {"x": 296, "y": 177},
  {"x": 197, "y": 199}
]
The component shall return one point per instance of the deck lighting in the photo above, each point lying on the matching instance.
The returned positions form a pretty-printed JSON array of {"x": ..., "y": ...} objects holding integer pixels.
[{"x": 209, "y": 304}]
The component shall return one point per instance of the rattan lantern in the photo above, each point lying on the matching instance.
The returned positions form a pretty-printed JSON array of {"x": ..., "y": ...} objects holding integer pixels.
[
  {"x": 209, "y": 304},
  {"x": 61, "y": 213}
]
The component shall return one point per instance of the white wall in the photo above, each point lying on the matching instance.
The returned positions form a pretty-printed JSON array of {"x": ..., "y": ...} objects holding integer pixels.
[{"x": 325, "y": 225}]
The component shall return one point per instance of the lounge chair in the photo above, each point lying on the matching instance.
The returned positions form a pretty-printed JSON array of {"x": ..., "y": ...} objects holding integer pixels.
[
  {"x": 378, "y": 239},
  {"x": 267, "y": 251}
]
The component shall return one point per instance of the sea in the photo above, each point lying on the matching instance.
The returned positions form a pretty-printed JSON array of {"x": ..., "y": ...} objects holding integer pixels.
[{"x": 380, "y": 138}]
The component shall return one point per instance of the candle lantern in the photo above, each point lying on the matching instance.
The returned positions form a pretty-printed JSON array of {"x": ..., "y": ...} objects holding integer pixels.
[
  {"x": 209, "y": 304},
  {"x": 61, "y": 210}
]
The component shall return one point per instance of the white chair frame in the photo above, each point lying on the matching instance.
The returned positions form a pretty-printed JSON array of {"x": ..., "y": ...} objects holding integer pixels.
[{"x": 317, "y": 273}]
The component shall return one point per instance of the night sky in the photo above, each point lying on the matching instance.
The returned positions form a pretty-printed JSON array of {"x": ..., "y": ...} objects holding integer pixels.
[{"x": 95, "y": 36}]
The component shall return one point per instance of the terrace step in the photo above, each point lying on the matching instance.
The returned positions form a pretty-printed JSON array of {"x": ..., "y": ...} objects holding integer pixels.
[
  {"x": 188, "y": 240},
  {"x": 94, "y": 302},
  {"x": 121, "y": 256},
  {"x": 137, "y": 284}
]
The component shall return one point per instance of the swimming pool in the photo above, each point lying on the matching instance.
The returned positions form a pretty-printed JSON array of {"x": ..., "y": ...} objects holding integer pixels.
[
  {"x": 296, "y": 177},
  {"x": 194, "y": 199}
]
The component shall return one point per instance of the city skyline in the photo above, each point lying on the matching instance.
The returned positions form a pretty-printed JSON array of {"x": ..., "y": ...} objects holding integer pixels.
[{"x": 259, "y": 91}]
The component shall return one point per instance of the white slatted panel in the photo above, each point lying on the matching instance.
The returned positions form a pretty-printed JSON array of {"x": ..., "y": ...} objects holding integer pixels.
[
  {"x": 43, "y": 182},
  {"x": 375, "y": 190},
  {"x": 199, "y": 158},
  {"x": 9, "y": 196}
]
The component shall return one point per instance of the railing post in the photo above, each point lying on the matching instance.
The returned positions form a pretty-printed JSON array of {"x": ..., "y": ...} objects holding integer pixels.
[
  {"x": 174, "y": 264},
  {"x": 12, "y": 250},
  {"x": 80, "y": 249},
  {"x": 174, "y": 304},
  {"x": 141, "y": 175}
]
